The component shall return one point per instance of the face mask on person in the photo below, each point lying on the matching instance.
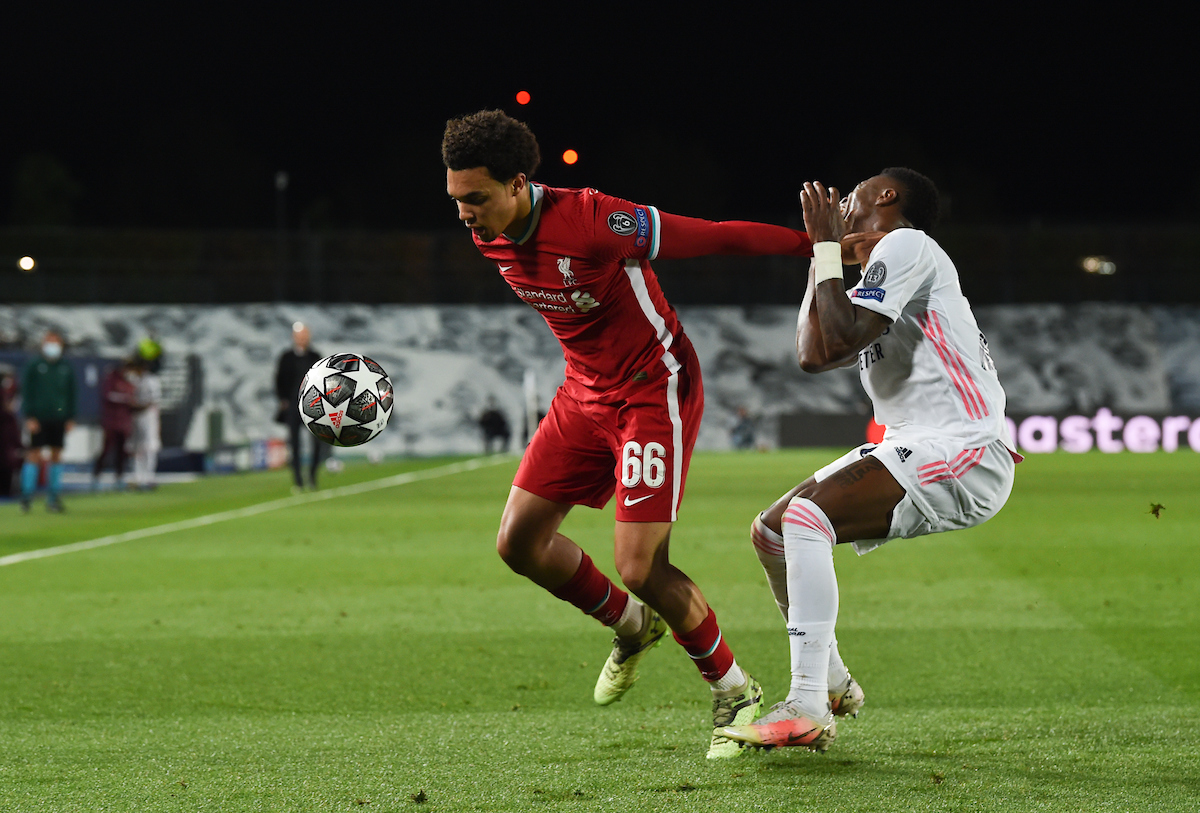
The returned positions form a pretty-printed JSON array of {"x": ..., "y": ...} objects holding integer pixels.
[{"x": 52, "y": 351}]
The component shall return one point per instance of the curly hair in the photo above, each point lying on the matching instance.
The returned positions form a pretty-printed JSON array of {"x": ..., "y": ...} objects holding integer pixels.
[
  {"x": 918, "y": 197},
  {"x": 491, "y": 139}
]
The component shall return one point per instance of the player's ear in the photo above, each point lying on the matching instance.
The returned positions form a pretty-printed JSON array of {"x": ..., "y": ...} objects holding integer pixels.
[
  {"x": 518, "y": 183},
  {"x": 888, "y": 196}
]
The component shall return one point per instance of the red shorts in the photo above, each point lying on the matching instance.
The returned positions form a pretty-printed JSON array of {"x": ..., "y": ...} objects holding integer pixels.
[{"x": 637, "y": 443}]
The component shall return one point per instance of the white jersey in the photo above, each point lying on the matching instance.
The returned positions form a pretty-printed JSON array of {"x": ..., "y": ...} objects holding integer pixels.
[
  {"x": 931, "y": 368},
  {"x": 146, "y": 428}
]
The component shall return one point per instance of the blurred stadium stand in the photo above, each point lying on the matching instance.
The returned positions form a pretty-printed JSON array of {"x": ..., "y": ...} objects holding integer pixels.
[{"x": 998, "y": 265}]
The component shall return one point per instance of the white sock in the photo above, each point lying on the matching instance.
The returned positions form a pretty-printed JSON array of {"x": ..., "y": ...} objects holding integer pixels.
[
  {"x": 630, "y": 622},
  {"x": 768, "y": 545},
  {"x": 733, "y": 679},
  {"x": 838, "y": 673},
  {"x": 809, "y": 538}
]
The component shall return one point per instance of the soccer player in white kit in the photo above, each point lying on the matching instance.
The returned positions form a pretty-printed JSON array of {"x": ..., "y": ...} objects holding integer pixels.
[{"x": 944, "y": 461}]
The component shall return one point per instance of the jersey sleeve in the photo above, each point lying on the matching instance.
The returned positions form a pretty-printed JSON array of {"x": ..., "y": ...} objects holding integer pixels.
[
  {"x": 894, "y": 274},
  {"x": 624, "y": 230},
  {"x": 621, "y": 230},
  {"x": 683, "y": 237}
]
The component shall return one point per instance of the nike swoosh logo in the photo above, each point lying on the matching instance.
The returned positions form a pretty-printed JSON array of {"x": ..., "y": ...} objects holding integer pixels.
[
  {"x": 629, "y": 502},
  {"x": 504, "y": 268}
]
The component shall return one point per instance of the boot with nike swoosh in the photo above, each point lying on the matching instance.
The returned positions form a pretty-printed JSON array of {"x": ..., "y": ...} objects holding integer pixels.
[{"x": 786, "y": 725}]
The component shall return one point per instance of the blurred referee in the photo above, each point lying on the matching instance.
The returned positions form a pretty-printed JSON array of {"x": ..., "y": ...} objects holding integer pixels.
[
  {"x": 48, "y": 403},
  {"x": 293, "y": 364}
]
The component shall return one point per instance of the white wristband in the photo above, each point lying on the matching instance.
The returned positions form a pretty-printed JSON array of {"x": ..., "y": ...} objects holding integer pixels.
[{"x": 827, "y": 261}]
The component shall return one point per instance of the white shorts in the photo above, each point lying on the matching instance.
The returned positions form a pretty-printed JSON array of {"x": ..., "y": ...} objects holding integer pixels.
[{"x": 946, "y": 486}]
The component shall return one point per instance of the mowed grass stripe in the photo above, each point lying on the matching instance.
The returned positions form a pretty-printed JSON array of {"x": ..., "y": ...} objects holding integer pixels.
[
  {"x": 254, "y": 510},
  {"x": 375, "y": 654}
]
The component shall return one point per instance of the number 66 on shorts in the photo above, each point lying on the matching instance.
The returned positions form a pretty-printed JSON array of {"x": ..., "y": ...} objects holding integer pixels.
[{"x": 640, "y": 465}]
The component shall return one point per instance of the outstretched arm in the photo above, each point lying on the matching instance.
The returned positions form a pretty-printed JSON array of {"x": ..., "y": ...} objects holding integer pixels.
[
  {"x": 832, "y": 329},
  {"x": 683, "y": 237}
]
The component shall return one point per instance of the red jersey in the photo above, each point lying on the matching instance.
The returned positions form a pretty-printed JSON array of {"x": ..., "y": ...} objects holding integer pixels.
[{"x": 584, "y": 263}]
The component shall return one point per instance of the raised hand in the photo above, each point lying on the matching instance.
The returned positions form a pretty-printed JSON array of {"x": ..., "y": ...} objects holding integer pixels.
[{"x": 822, "y": 214}]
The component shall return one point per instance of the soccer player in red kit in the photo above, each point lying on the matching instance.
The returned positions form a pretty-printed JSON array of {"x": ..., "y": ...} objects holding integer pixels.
[{"x": 625, "y": 420}]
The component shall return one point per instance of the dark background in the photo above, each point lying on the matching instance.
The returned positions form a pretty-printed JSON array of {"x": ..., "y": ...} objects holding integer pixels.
[{"x": 153, "y": 117}]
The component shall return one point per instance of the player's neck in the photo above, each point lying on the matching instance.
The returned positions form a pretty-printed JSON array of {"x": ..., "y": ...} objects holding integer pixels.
[{"x": 524, "y": 211}]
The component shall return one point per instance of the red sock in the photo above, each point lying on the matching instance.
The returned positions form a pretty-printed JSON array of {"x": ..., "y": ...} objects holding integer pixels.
[
  {"x": 594, "y": 593},
  {"x": 707, "y": 648}
]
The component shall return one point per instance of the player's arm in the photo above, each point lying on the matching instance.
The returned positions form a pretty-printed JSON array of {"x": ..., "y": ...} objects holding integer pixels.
[
  {"x": 831, "y": 329},
  {"x": 682, "y": 237}
]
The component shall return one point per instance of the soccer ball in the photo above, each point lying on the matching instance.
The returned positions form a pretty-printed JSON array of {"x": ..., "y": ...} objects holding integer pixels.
[{"x": 345, "y": 399}]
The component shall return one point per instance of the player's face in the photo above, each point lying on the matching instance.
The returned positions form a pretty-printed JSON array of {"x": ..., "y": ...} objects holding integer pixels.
[
  {"x": 860, "y": 204},
  {"x": 486, "y": 206}
]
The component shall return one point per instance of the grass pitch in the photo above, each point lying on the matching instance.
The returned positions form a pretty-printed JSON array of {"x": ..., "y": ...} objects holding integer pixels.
[{"x": 371, "y": 652}]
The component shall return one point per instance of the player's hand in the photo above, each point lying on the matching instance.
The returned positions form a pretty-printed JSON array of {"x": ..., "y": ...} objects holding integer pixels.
[
  {"x": 822, "y": 215},
  {"x": 32, "y": 425},
  {"x": 68, "y": 426},
  {"x": 857, "y": 247}
]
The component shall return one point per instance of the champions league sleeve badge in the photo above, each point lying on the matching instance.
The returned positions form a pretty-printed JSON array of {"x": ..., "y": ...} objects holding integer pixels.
[
  {"x": 875, "y": 275},
  {"x": 622, "y": 223}
]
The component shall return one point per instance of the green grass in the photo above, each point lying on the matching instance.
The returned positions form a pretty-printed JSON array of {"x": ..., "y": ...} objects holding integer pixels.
[{"x": 373, "y": 653}]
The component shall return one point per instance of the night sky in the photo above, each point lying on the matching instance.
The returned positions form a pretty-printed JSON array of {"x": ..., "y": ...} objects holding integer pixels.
[{"x": 119, "y": 119}]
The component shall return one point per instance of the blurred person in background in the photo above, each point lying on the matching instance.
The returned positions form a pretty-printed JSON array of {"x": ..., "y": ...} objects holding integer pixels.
[
  {"x": 741, "y": 434},
  {"x": 289, "y": 374},
  {"x": 147, "y": 432},
  {"x": 494, "y": 424},
  {"x": 118, "y": 394},
  {"x": 12, "y": 452},
  {"x": 48, "y": 395}
]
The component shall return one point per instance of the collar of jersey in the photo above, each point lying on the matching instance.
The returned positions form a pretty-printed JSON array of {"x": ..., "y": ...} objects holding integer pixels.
[{"x": 535, "y": 196}]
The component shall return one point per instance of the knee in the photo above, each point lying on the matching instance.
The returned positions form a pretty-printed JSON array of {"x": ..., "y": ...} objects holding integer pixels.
[
  {"x": 518, "y": 546},
  {"x": 507, "y": 547},
  {"x": 637, "y": 574}
]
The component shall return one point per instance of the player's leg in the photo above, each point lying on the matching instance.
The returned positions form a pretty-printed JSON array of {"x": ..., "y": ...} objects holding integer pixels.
[
  {"x": 845, "y": 695},
  {"x": 530, "y": 544},
  {"x": 98, "y": 467},
  {"x": 294, "y": 445},
  {"x": 562, "y": 467},
  {"x": 642, "y": 559},
  {"x": 54, "y": 477},
  {"x": 854, "y": 502},
  {"x": 314, "y": 462},
  {"x": 121, "y": 443},
  {"x": 140, "y": 459},
  {"x": 30, "y": 470}
]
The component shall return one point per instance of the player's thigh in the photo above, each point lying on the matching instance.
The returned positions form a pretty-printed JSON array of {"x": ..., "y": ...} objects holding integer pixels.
[
  {"x": 50, "y": 433},
  {"x": 653, "y": 442},
  {"x": 945, "y": 485},
  {"x": 773, "y": 516},
  {"x": 859, "y": 497},
  {"x": 955, "y": 487},
  {"x": 529, "y": 522}
]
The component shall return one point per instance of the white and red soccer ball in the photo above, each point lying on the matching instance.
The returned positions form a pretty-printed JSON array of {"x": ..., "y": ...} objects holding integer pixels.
[{"x": 345, "y": 399}]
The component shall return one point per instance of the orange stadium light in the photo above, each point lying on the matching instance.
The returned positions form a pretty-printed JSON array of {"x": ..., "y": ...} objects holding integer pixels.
[
  {"x": 523, "y": 97},
  {"x": 570, "y": 157}
]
